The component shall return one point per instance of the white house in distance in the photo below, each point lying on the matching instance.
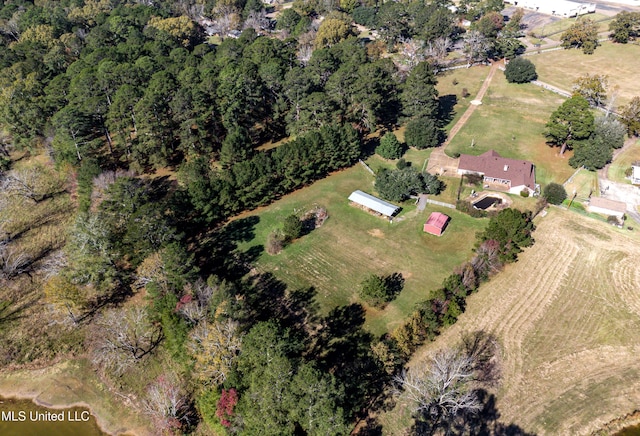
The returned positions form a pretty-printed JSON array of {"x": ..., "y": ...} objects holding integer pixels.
[
  {"x": 607, "y": 207},
  {"x": 511, "y": 175},
  {"x": 635, "y": 173},
  {"x": 374, "y": 204},
  {"x": 559, "y": 8}
]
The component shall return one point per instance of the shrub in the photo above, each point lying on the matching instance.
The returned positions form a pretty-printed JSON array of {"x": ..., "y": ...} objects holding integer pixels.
[
  {"x": 275, "y": 242},
  {"x": 555, "y": 193},
  {"x": 401, "y": 164},
  {"x": 613, "y": 220},
  {"x": 292, "y": 227},
  {"x": 520, "y": 70},
  {"x": 465, "y": 93},
  {"x": 390, "y": 147},
  {"x": 423, "y": 133},
  {"x": 524, "y": 193}
]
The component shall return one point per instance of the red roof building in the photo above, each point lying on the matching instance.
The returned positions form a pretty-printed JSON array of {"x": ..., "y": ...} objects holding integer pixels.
[
  {"x": 516, "y": 175},
  {"x": 436, "y": 223}
]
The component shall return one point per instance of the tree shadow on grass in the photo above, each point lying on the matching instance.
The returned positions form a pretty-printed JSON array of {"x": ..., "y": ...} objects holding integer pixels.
[
  {"x": 446, "y": 112},
  {"x": 487, "y": 421},
  {"x": 394, "y": 284},
  {"x": 220, "y": 254}
]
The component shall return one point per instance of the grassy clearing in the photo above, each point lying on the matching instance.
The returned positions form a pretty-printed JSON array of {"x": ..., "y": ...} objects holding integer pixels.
[
  {"x": 503, "y": 124},
  {"x": 336, "y": 257},
  {"x": 623, "y": 162},
  {"x": 566, "y": 315},
  {"x": 562, "y": 67}
]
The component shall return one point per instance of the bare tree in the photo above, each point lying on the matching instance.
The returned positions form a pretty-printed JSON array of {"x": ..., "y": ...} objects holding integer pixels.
[
  {"x": 438, "y": 49},
  {"x": 13, "y": 261},
  {"x": 35, "y": 183},
  {"x": 476, "y": 47},
  {"x": 168, "y": 403},
  {"x": 412, "y": 50},
  {"x": 257, "y": 20},
  {"x": 214, "y": 346},
  {"x": 122, "y": 337},
  {"x": 442, "y": 388}
]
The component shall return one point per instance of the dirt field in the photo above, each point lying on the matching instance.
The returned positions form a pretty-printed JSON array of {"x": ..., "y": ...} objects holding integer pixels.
[{"x": 568, "y": 318}]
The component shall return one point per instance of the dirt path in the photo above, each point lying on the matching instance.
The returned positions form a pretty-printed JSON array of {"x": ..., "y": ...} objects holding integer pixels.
[{"x": 465, "y": 117}]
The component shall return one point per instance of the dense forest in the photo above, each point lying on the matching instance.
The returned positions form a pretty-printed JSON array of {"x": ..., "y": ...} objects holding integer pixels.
[{"x": 112, "y": 95}]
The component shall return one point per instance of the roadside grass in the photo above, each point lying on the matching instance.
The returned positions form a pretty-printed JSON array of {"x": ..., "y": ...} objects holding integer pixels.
[
  {"x": 555, "y": 29},
  {"x": 511, "y": 121},
  {"x": 623, "y": 162},
  {"x": 352, "y": 244},
  {"x": 566, "y": 317},
  {"x": 620, "y": 62},
  {"x": 584, "y": 183}
]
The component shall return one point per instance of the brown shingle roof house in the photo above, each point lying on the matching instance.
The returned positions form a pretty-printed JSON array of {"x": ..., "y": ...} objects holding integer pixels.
[{"x": 516, "y": 175}]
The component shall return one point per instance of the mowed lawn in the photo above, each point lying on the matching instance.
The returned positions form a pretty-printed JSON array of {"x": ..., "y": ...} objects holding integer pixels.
[
  {"x": 623, "y": 162},
  {"x": 511, "y": 120},
  {"x": 567, "y": 316},
  {"x": 352, "y": 244},
  {"x": 451, "y": 85},
  {"x": 621, "y": 62}
]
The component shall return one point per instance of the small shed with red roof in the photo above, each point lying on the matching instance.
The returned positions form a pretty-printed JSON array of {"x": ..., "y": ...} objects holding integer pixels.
[{"x": 436, "y": 223}]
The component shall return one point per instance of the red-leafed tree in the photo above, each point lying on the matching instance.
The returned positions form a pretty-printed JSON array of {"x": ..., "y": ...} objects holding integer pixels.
[{"x": 225, "y": 406}]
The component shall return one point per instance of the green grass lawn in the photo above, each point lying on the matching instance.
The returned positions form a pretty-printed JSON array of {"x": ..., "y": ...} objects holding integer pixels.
[
  {"x": 562, "y": 67},
  {"x": 511, "y": 121},
  {"x": 469, "y": 78},
  {"x": 584, "y": 183},
  {"x": 623, "y": 162},
  {"x": 352, "y": 244}
]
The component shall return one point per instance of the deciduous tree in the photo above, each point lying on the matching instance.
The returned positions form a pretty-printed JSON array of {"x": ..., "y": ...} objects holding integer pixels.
[
  {"x": 630, "y": 116},
  {"x": 520, "y": 70},
  {"x": 592, "y": 87},
  {"x": 582, "y": 34}
]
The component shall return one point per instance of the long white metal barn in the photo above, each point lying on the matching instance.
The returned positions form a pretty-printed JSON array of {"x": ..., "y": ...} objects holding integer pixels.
[
  {"x": 560, "y": 8},
  {"x": 374, "y": 203}
]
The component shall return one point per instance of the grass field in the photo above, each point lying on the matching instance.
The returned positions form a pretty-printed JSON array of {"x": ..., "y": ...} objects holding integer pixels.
[
  {"x": 469, "y": 78},
  {"x": 352, "y": 244},
  {"x": 622, "y": 162},
  {"x": 567, "y": 316},
  {"x": 554, "y": 30},
  {"x": 511, "y": 121},
  {"x": 619, "y": 61}
]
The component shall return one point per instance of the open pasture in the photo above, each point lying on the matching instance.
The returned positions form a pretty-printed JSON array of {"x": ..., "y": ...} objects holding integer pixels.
[
  {"x": 511, "y": 120},
  {"x": 567, "y": 316},
  {"x": 620, "y": 62},
  {"x": 352, "y": 244}
]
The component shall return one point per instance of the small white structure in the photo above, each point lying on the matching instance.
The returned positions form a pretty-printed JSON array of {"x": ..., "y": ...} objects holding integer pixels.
[
  {"x": 635, "y": 173},
  {"x": 559, "y": 8},
  {"x": 374, "y": 203},
  {"x": 607, "y": 207}
]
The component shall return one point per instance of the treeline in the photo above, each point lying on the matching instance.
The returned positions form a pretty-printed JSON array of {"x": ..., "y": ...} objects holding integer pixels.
[{"x": 253, "y": 179}]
